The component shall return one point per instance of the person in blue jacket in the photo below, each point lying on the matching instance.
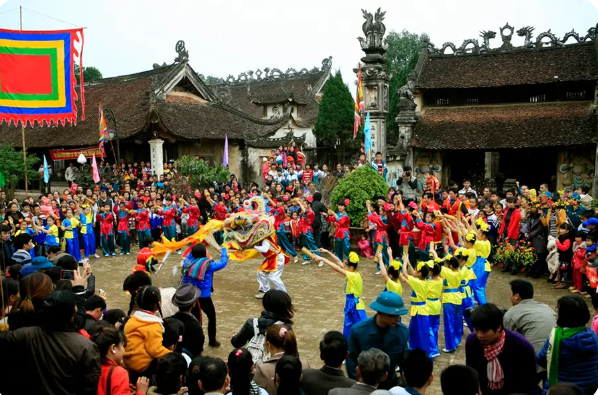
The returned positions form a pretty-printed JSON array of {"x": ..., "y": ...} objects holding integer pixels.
[
  {"x": 570, "y": 354},
  {"x": 383, "y": 331},
  {"x": 198, "y": 269}
]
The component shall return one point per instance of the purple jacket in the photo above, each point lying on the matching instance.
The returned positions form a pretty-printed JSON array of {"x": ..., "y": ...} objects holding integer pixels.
[{"x": 518, "y": 361}]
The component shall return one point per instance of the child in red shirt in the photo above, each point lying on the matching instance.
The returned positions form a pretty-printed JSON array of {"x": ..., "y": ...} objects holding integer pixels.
[{"x": 111, "y": 344}]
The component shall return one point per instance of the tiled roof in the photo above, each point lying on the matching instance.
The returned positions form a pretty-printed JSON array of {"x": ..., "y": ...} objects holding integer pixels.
[
  {"x": 575, "y": 62},
  {"x": 506, "y": 126},
  {"x": 212, "y": 121}
]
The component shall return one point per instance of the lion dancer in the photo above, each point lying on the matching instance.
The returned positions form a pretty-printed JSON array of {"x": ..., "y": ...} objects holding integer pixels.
[{"x": 271, "y": 269}]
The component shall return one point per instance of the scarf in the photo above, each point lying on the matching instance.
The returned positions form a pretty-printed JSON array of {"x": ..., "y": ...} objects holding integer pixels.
[
  {"x": 557, "y": 335},
  {"x": 494, "y": 370}
]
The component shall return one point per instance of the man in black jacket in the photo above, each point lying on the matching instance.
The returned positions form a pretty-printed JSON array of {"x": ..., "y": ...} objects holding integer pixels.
[
  {"x": 333, "y": 351},
  {"x": 185, "y": 298},
  {"x": 58, "y": 359},
  {"x": 318, "y": 208}
]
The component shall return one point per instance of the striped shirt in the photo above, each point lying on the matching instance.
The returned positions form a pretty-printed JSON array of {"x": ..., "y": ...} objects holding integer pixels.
[{"x": 22, "y": 257}]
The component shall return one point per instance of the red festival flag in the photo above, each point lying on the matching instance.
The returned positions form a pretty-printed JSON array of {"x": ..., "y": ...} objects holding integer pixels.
[
  {"x": 360, "y": 89},
  {"x": 37, "y": 81},
  {"x": 103, "y": 129}
]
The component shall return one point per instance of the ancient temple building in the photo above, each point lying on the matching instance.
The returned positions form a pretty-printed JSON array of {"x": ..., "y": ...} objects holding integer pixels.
[
  {"x": 494, "y": 113},
  {"x": 171, "y": 109}
]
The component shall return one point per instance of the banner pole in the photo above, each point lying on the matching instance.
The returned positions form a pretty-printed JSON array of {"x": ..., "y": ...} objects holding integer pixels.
[{"x": 22, "y": 124}]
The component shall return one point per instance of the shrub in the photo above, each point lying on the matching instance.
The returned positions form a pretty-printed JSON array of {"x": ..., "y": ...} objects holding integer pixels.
[
  {"x": 363, "y": 184},
  {"x": 200, "y": 173}
]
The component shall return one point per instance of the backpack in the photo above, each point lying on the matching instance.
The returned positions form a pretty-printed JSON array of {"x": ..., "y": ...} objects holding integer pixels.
[{"x": 256, "y": 343}]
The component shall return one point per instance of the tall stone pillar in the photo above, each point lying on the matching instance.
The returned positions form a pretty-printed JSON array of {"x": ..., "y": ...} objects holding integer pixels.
[
  {"x": 375, "y": 78},
  {"x": 157, "y": 156},
  {"x": 406, "y": 120}
]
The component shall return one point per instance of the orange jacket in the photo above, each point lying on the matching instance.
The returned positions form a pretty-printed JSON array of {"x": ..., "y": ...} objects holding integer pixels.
[{"x": 144, "y": 341}]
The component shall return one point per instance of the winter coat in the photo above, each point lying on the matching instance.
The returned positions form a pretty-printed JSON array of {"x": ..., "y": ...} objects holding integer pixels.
[
  {"x": 266, "y": 320},
  {"x": 193, "y": 339},
  {"x": 553, "y": 255},
  {"x": 144, "y": 341},
  {"x": 578, "y": 360},
  {"x": 536, "y": 234},
  {"x": 119, "y": 380},
  {"x": 50, "y": 362}
]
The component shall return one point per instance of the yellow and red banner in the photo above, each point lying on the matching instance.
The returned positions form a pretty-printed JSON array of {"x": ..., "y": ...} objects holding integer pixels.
[
  {"x": 37, "y": 78},
  {"x": 73, "y": 154}
]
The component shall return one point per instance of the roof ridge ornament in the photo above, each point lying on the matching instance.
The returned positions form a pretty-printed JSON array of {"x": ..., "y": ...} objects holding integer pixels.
[
  {"x": 273, "y": 74},
  {"x": 183, "y": 54},
  {"x": 506, "y": 38}
]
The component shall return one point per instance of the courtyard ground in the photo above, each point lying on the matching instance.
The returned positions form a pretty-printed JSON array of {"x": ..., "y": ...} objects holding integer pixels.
[{"x": 317, "y": 293}]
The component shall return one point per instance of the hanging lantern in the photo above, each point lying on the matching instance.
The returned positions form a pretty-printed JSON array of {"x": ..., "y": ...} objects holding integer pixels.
[{"x": 82, "y": 159}]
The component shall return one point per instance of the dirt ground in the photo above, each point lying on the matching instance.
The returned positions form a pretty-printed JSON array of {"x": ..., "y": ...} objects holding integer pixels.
[{"x": 317, "y": 293}]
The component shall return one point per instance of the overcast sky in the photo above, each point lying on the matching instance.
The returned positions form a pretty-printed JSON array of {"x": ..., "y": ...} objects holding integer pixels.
[{"x": 231, "y": 36}]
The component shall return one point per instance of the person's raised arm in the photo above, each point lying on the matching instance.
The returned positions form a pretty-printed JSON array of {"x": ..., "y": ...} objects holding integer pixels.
[
  {"x": 333, "y": 265},
  {"x": 334, "y": 257}
]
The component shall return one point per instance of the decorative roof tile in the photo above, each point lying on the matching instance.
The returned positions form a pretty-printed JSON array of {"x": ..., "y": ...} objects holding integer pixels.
[{"x": 506, "y": 126}]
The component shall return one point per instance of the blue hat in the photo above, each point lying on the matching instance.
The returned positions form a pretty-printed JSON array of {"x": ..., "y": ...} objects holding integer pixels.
[
  {"x": 27, "y": 270},
  {"x": 591, "y": 221},
  {"x": 41, "y": 262},
  {"x": 389, "y": 303}
]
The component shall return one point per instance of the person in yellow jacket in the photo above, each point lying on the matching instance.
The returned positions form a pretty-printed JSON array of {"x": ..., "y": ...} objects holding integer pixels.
[
  {"x": 434, "y": 306},
  {"x": 419, "y": 325},
  {"x": 463, "y": 255},
  {"x": 452, "y": 301},
  {"x": 144, "y": 334},
  {"x": 391, "y": 276},
  {"x": 481, "y": 267}
]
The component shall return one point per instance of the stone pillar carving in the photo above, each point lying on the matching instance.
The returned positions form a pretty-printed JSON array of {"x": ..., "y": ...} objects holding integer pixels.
[
  {"x": 406, "y": 120},
  {"x": 375, "y": 78},
  {"x": 157, "y": 156}
]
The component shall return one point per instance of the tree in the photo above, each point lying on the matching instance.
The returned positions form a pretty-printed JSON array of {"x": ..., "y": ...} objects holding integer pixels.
[
  {"x": 363, "y": 184},
  {"x": 401, "y": 58},
  {"x": 211, "y": 80},
  {"x": 199, "y": 173},
  {"x": 334, "y": 125},
  {"x": 89, "y": 73},
  {"x": 11, "y": 166}
]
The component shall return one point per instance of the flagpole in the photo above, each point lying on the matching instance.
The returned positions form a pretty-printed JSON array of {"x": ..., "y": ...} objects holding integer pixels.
[{"x": 22, "y": 124}]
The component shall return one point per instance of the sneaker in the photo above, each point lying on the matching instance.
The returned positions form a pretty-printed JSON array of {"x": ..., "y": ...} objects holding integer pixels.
[
  {"x": 571, "y": 288},
  {"x": 260, "y": 295},
  {"x": 296, "y": 259},
  {"x": 106, "y": 255},
  {"x": 179, "y": 252},
  {"x": 214, "y": 344},
  {"x": 575, "y": 291},
  {"x": 114, "y": 254},
  {"x": 320, "y": 264},
  {"x": 127, "y": 253},
  {"x": 377, "y": 273},
  {"x": 435, "y": 355},
  {"x": 306, "y": 263},
  {"x": 448, "y": 351},
  {"x": 97, "y": 256},
  {"x": 122, "y": 253}
]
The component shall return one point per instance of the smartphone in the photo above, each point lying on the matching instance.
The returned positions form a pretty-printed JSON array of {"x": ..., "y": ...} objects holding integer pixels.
[{"x": 67, "y": 275}]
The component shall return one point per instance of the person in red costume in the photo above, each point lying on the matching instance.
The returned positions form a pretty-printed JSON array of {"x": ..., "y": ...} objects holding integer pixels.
[
  {"x": 106, "y": 220},
  {"x": 381, "y": 237},
  {"x": 193, "y": 210},
  {"x": 509, "y": 229},
  {"x": 143, "y": 222},
  {"x": 145, "y": 258},
  {"x": 342, "y": 245}
]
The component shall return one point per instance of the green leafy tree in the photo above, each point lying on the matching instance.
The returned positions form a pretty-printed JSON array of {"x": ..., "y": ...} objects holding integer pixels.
[
  {"x": 199, "y": 173},
  {"x": 401, "y": 58},
  {"x": 211, "y": 80},
  {"x": 334, "y": 125},
  {"x": 11, "y": 166},
  {"x": 89, "y": 73},
  {"x": 361, "y": 185}
]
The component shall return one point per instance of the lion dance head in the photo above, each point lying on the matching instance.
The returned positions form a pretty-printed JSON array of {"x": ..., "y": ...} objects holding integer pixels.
[{"x": 245, "y": 229}]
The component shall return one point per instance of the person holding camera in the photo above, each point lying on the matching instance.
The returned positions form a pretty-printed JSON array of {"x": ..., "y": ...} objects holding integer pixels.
[{"x": 407, "y": 184}]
